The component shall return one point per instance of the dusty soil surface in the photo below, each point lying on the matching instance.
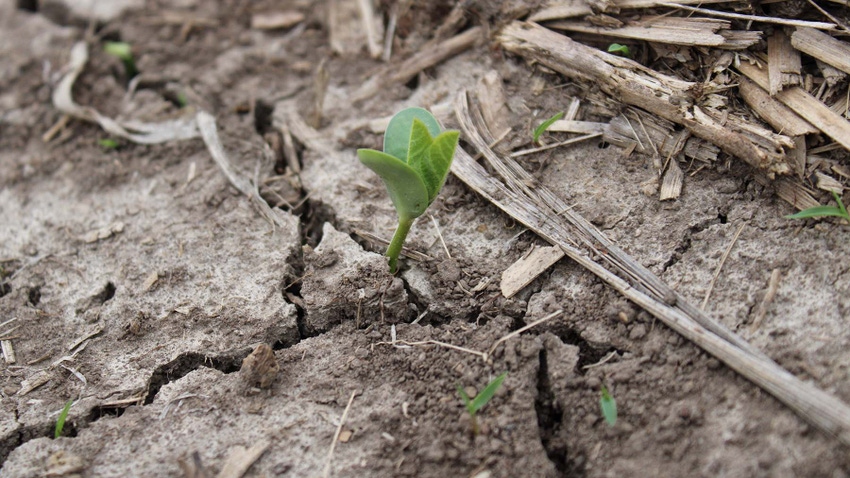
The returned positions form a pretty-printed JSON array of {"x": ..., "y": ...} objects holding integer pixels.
[{"x": 136, "y": 279}]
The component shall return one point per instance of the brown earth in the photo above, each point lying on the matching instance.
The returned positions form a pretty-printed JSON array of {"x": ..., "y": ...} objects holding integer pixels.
[{"x": 186, "y": 278}]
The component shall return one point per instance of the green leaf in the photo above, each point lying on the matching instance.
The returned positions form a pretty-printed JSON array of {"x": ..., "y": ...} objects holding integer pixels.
[
  {"x": 405, "y": 188},
  {"x": 817, "y": 211},
  {"x": 609, "y": 407},
  {"x": 822, "y": 211},
  {"x": 545, "y": 125},
  {"x": 486, "y": 395},
  {"x": 467, "y": 402},
  {"x": 431, "y": 157},
  {"x": 623, "y": 50},
  {"x": 60, "y": 422},
  {"x": 120, "y": 49},
  {"x": 441, "y": 155},
  {"x": 398, "y": 135},
  {"x": 108, "y": 143}
]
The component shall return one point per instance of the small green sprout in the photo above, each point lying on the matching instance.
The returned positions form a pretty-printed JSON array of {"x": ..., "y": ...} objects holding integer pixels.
[
  {"x": 617, "y": 49},
  {"x": 823, "y": 211},
  {"x": 124, "y": 52},
  {"x": 474, "y": 404},
  {"x": 609, "y": 407},
  {"x": 60, "y": 422},
  {"x": 108, "y": 143},
  {"x": 545, "y": 125},
  {"x": 414, "y": 166}
]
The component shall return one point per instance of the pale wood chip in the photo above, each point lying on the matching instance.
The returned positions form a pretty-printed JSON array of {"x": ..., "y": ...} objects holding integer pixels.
[
  {"x": 783, "y": 62},
  {"x": 240, "y": 459},
  {"x": 276, "y": 20},
  {"x": 527, "y": 268},
  {"x": 823, "y": 47},
  {"x": 671, "y": 185},
  {"x": 805, "y": 105}
]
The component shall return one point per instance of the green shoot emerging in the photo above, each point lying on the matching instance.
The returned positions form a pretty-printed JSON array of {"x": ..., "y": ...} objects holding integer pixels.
[
  {"x": 474, "y": 404},
  {"x": 60, "y": 422},
  {"x": 124, "y": 52},
  {"x": 545, "y": 125},
  {"x": 621, "y": 50},
  {"x": 414, "y": 166},
  {"x": 108, "y": 143},
  {"x": 609, "y": 407},
  {"x": 822, "y": 211}
]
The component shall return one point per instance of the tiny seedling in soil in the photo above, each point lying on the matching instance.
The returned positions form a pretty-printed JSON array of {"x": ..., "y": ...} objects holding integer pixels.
[
  {"x": 414, "y": 165},
  {"x": 621, "y": 50},
  {"x": 108, "y": 143},
  {"x": 609, "y": 407},
  {"x": 60, "y": 422},
  {"x": 823, "y": 211},
  {"x": 124, "y": 52},
  {"x": 545, "y": 125},
  {"x": 474, "y": 404}
]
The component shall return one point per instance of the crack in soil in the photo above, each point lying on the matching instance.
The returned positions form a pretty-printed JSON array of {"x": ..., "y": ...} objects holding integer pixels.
[
  {"x": 549, "y": 420},
  {"x": 227, "y": 362}
]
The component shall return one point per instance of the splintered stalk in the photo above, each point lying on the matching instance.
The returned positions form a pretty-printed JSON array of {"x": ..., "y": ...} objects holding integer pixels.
[{"x": 414, "y": 165}]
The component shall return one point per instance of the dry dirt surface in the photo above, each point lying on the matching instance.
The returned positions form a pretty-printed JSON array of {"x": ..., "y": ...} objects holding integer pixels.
[{"x": 135, "y": 279}]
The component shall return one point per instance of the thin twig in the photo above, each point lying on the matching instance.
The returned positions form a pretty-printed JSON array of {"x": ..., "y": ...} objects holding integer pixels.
[
  {"x": 829, "y": 15},
  {"x": 521, "y": 330},
  {"x": 435, "y": 342},
  {"x": 555, "y": 145},
  {"x": 440, "y": 235},
  {"x": 495, "y": 142},
  {"x": 327, "y": 471},
  {"x": 772, "y": 289},
  {"x": 719, "y": 267},
  {"x": 604, "y": 360},
  {"x": 754, "y": 18}
]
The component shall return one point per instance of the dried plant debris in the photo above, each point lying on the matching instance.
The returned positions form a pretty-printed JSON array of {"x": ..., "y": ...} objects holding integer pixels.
[{"x": 766, "y": 84}]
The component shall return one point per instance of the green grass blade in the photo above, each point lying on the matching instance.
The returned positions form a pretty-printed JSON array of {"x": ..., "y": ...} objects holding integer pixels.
[
  {"x": 60, "y": 422},
  {"x": 404, "y": 186},
  {"x": 467, "y": 402},
  {"x": 398, "y": 134},
  {"x": 486, "y": 395},
  {"x": 818, "y": 211},
  {"x": 545, "y": 125},
  {"x": 609, "y": 407},
  {"x": 841, "y": 205}
]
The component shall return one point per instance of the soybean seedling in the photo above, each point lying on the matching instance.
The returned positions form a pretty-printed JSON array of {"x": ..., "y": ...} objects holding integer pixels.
[
  {"x": 618, "y": 49},
  {"x": 482, "y": 398},
  {"x": 414, "y": 166},
  {"x": 124, "y": 52},
  {"x": 609, "y": 407},
  {"x": 108, "y": 143},
  {"x": 823, "y": 211},
  {"x": 545, "y": 125},
  {"x": 60, "y": 422}
]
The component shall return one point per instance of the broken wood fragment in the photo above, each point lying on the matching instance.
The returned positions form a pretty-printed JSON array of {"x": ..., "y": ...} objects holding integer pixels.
[
  {"x": 672, "y": 30},
  {"x": 399, "y": 74},
  {"x": 805, "y": 105},
  {"x": 527, "y": 268},
  {"x": 651, "y": 135},
  {"x": 671, "y": 184},
  {"x": 823, "y": 47},
  {"x": 579, "y": 8},
  {"x": 772, "y": 111},
  {"x": 665, "y": 96},
  {"x": 783, "y": 62},
  {"x": 276, "y": 20}
]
